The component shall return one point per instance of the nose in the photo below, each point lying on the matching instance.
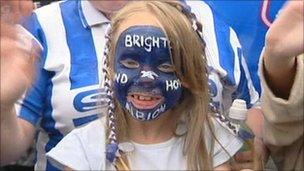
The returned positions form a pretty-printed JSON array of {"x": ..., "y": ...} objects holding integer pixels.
[
  {"x": 147, "y": 78},
  {"x": 148, "y": 74}
]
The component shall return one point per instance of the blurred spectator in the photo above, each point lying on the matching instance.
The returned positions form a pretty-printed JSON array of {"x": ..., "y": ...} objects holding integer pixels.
[{"x": 282, "y": 80}]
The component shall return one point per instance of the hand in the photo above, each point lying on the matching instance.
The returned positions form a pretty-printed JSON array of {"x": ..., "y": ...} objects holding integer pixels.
[
  {"x": 18, "y": 52},
  {"x": 243, "y": 160},
  {"x": 284, "y": 41},
  {"x": 12, "y": 11},
  {"x": 285, "y": 36},
  {"x": 253, "y": 159}
]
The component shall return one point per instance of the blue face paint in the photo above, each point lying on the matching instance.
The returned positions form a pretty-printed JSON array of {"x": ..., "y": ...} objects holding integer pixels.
[{"x": 145, "y": 82}]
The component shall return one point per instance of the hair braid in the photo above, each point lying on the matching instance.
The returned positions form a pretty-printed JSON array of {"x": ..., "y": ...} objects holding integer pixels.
[
  {"x": 112, "y": 146},
  {"x": 198, "y": 28}
]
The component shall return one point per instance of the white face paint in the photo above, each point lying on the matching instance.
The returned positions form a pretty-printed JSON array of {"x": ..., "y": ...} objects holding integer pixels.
[
  {"x": 149, "y": 74},
  {"x": 146, "y": 42},
  {"x": 173, "y": 85},
  {"x": 143, "y": 116},
  {"x": 121, "y": 78}
]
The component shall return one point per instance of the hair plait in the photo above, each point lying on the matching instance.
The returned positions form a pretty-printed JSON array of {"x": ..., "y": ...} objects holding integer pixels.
[
  {"x": 198, "y": 28},
  {"x": 112, "y": 146}
]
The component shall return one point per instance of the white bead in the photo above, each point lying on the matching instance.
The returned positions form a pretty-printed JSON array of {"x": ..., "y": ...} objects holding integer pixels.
[{"x": 126, "y": 147}]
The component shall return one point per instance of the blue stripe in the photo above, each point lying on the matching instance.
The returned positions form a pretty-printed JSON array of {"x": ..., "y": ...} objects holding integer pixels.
[
  {"x": 33, "y": 26},
  {"x": 32, "y": 105},
  {"x": 84, "y": 63},
  {"x": 48, "y": 123},
  {"x": 83, "y": 120},
  {"x": 50, "y": 167},
  {"x": 226, "y": 53}
]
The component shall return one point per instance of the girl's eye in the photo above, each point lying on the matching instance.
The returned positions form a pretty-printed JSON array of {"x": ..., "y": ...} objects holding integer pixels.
[
  {"x": 130, "y": 63},
  {"x": 165, "y": 67}
]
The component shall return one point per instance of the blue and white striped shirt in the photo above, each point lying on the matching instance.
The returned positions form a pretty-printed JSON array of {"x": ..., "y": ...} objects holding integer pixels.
[
  {"x": 65, "y": 95},
  {"x": 229, "y": 77}
]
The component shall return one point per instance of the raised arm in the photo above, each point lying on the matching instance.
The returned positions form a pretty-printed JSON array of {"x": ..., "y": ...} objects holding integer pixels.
[
  {"x": 282, "y": 81},
  {"x": 284, "y": 41},
  {"x": 17, "y": 63}
]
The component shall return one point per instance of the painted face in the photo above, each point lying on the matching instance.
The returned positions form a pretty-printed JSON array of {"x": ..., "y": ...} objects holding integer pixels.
[{"x": 145, "y": 82}]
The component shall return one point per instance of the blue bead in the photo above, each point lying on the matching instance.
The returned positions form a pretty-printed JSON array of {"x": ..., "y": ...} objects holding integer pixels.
[
  {"x": 111, "y": 151},
  {"x": 245, "y": 135}
]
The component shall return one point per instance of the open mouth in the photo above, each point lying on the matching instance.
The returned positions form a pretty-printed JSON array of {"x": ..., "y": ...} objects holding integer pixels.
[{"x": 144, "y": 101}]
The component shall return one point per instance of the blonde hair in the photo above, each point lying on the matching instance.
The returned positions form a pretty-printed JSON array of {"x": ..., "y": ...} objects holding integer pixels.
[{"x": 189, "y": 60}]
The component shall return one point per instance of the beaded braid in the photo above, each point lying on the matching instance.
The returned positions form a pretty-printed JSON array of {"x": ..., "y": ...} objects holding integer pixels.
[
  {"x": 198, "y": 28},
  {"x": 112, "y": 146}
]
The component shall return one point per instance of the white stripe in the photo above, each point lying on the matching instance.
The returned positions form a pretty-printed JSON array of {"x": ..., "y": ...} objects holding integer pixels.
[
  {"x": 205, "y": 17},
  {"x": 43, "y": 15},
  {"x": 254, "y": 96},
  {"x": 98, "y": 34},
  {"x": 235, "y": 44}
]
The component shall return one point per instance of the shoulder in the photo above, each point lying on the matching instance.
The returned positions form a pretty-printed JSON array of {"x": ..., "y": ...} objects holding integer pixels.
[
  {"x": 44, "y": 10},
  {"x": 198, "y": 5},
  {"x": 202, "y": 11},
  {"x": 85, "y": 144},
  {"x": 53, "y": 12}
]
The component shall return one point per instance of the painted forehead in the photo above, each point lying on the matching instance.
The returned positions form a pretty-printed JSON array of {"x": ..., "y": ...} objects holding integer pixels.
[{"x": 145, "y": 37}]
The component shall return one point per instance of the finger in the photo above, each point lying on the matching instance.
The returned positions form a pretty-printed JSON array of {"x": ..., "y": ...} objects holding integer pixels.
[{"x": 245, "y": 156}]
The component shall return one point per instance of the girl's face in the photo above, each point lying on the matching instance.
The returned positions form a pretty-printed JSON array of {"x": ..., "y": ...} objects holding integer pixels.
[{"x": 145, "y": 82}]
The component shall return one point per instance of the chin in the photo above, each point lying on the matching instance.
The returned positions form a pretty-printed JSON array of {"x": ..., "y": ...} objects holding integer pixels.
[
  {"x": 145, "y": 114},
  {"x": 109, "y": 6}
]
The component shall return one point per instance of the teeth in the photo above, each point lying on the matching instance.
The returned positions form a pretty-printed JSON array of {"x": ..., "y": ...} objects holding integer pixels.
[
  {"x": 155, "y": 98},
  {"x": 144, "y": 98}
]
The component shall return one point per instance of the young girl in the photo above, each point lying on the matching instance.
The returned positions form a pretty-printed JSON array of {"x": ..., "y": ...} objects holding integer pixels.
[{"x": 161, "y": 119}]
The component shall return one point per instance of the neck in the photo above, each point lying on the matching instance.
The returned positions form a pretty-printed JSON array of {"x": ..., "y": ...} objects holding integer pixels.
[
  {"x": 151, "y": 132},
  {"x": 108, "y": 15}
]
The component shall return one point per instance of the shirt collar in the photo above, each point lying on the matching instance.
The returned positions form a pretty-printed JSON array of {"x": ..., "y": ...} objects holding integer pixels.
[{"x": 89, "y": 15}]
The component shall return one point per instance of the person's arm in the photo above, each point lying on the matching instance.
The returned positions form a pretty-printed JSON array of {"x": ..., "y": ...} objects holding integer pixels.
[
  {"x": 18, "y": 55},
  {"x": 16, "y": 137},
  {"x": 284, "y": 41},
  {"x": 282, "y": 80},
  {"x": 282, "y": 77}
]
